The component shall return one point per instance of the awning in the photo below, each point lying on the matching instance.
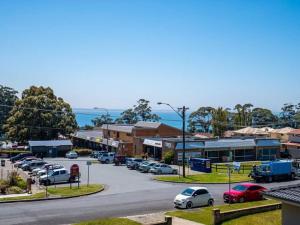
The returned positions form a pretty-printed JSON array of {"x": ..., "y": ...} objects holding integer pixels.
[{"x": 153, "y": 143}]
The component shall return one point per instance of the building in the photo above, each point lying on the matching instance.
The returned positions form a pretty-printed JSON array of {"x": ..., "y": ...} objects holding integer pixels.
[
  {"x": 252, "y": 132},
  {"x": 91, "y": 139},
  {"x": 129, "y": 139},
  {"x": 217, "y": 150},
  {"x": 290, "y": 198},
  {"x": 51, "y": 148},
  {"x": 282, "y": 134},
  {"x": 292, "y": 147}
]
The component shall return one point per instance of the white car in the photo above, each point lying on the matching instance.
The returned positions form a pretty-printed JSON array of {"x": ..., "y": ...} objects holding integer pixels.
[
  {"x": 55, "y": 176},
  {"x": 72, "y": 155},
  {"x": 193, "y": 197},
  {"x": 107, "y": 157},
  {"x": 163, "y": 169},
  {"x": 51, "y": 168}
]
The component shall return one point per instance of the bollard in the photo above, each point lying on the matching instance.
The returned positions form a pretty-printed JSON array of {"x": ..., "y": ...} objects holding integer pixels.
[
  {"x": 216, "y": 216},
  {"x": 168, "y": 220}
]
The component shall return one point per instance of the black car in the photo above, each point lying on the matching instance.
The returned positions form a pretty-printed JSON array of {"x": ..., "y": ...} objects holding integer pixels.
[{"x": 20, "y": 156}]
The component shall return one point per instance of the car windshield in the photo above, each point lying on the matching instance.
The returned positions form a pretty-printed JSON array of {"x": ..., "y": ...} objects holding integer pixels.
[
  {"x": 240, "y": 188},
  {"x": 188, "y": 192}
]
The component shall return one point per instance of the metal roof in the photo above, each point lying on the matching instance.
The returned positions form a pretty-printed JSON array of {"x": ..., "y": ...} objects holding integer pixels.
[
  {"x": 286, "y": 193},
  {"x": 90, "y": 135},
  {"x": 118, "y": 127},
  {"x": 190, "y": 145},
  {"x": 268, "y": 143},
  {"x": 230, "y": 143},
  {"x": 50, "y": 143},
  {"x": 144, "y": 124}
]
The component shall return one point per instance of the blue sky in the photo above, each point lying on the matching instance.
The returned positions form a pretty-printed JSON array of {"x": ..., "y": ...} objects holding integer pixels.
[{"x": 109, "y": 53}]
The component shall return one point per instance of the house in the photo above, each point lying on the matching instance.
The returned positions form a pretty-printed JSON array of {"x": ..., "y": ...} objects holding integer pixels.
[
  {"x": 50, "y": 148},
  {"x": 282, "y": 134},
  {"x": 129, "y": 139},
  {"x": 292, "y": 147},
  {"x": 217, "y": 150},
  {"x": 290, "y": 198},
  {"x": 252, "y": 132}
]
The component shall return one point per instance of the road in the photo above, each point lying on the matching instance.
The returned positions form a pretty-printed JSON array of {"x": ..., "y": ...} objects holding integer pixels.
[{"x": 119, "y": 199}]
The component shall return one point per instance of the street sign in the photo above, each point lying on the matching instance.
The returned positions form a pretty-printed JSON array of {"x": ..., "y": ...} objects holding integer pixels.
[
  {"x": 88, "y": 163},
  {"x": 74, "y": 170}
]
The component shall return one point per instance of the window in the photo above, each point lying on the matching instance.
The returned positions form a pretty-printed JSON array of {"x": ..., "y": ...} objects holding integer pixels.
[
  {"x": 55, "y": 173},
  {"x": 63, "y": 172},
  {"x": 201, "y": 192},
  {"x": 253, "y": 188},
  {"x": 118, "y": 134}
]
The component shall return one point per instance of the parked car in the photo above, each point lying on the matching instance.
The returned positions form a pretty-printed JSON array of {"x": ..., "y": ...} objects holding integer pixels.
[
  {"x": 107, "y": 157},
  {"x": 128, "y": 161},
  {"x": 145, "y": 167},
  {"x": 119, "y": 160},
  {"x": 244, "y": 192},
  {"x": 55, "y": 176},
  {"x": 163, "y": 169},
  {"x": 72, "y": 155},
  {"x": 36, "y": 170},
  {"x": 33, "y": 165},
  {"x": 18, "y": 164},
  {"x": 20, "y": 156},
  {"x": 193, "y": 197},
  {"x": 50, "y": 169},
  {"x": 96, "y": 154},
  {"x": 134, "y": 163}
]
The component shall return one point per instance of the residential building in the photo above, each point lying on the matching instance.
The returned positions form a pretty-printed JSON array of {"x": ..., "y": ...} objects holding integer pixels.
[
  {"x": 50, "y": 148},
  {"x": 282, "y": 134},
  {"x": 292, "y": 147},
  {"x": 129, "y": 139},
  {"x": 290, "y": 198}
]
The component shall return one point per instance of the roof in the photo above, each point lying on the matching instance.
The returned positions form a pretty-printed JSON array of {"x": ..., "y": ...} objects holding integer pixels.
[
  {"x": 292, "y": 144},
  {"x": 267, "y": 142},
  {"x": 254, "y": 131},
  {"x": 143, "y": 124},
  {"x": 203, "y": 135},
  {"x": 284, "y": 130},
  {"x": 190, "y": 145},
  {"x": 295, "y": 131},
  {"x": 91, "y": 135},
  {"x": 230, "y": 143},
  {"x": 50, "y": 143},
  {"x": 286, "y": 193},
  {"x": 118, "y": 127}
]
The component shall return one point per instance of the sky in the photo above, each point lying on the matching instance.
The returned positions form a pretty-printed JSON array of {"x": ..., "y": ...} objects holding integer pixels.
[{"x": 110, "y": 53}]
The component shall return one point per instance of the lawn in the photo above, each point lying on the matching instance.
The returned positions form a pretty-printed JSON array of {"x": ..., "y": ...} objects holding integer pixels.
[
  {"x": 61, "y": 192},
  {"x": 266, "y": 218},
  {"x": 204, "y": 215},
  {"x": 206, "y": 178},
  {"x": 109, "y": 221}
]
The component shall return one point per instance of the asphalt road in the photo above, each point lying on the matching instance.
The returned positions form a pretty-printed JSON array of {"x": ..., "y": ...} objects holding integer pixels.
[{"x": 127, "y": 193}]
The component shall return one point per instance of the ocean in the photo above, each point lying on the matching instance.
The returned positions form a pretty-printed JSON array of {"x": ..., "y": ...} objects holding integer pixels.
[{"x": 85, "y": 116}]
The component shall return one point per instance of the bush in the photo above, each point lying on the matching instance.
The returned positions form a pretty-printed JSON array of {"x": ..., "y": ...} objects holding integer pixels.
[
  {"x": 21, "y": 184},
  {"x": 3, "y": 186},
  {"x": 83, "y": 152},
  {"x": 14, "y": 190},
  {"x": 168, "y": 157}
]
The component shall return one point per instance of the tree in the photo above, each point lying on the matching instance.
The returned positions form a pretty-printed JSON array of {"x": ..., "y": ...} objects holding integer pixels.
[
  {"x": 39, "y": 115},
  {"x": 7, "y": 100},
  {"x": 103, "y": 119},
  {"x": 288, "y": 112},
  {"x": 243, "y": 117},
  {"x": 140, "y": 112},
  {"x": 261, "y": 116},
  {"x": 219, "y": 121},
  {"x": 200, "y": 120}
]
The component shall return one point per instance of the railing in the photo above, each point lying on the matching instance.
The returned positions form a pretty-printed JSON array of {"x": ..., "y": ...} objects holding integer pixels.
[{"x": 223, "y": 168}]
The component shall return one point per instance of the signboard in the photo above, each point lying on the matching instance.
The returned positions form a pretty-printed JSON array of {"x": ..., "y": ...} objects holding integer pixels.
[
  {"x": 74, "y": 170},
  {"x": 88, "y": 163}
]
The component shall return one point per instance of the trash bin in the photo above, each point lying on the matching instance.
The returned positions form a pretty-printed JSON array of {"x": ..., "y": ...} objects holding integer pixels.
[{"x": 2, "y": 162}]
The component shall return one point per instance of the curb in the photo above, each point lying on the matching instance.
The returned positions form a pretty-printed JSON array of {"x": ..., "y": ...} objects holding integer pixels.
[
  {"x": 179, "y": 182},
  {"x": 54, "y": 198}
]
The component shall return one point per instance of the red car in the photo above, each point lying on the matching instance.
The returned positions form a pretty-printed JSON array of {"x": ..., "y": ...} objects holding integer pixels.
[{"x": 244, "y": 192}]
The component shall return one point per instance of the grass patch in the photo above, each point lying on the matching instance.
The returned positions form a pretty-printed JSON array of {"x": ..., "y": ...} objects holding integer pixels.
[
  {"x": 266, "y": 218},
  {"x": 60, "y": 192},
  {"x": 110, "y": 221},
  {"x": 204, "y": 215},
  {"x": 213, "y": 177}
]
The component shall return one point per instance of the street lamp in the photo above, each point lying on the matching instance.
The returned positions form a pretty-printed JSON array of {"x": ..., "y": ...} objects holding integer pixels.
[
  {"x": 181, "y": 113},
  {"x": 107, "y": 115}
]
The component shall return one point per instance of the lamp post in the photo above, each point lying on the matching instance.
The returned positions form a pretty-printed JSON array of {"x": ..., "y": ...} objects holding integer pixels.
[
  {"x": 181, "y": 113},
  {"x": 107, "y": 115}
]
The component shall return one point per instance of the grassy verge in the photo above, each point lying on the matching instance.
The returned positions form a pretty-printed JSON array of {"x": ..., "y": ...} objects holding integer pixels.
[
  {"x": 206, "y": 178},
  {"x": 266, "y": 218},
  {"x": 60, "y": 192},
  {"x": 204, "y": 215},
  {"x": 109, "y": 221}
]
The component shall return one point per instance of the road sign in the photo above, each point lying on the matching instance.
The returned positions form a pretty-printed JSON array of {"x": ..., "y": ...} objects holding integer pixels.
[
  {"x": 88, "y": 163},
  {"x": 74, "y": 170}
]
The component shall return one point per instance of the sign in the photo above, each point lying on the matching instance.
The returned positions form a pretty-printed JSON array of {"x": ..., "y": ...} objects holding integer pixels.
[
  {"x": 88, "y": 163},
  {"x": 74, "y": 170}
]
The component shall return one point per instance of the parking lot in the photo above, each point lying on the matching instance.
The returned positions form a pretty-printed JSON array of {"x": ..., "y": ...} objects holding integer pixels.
[{"x": 118, "y": 179}]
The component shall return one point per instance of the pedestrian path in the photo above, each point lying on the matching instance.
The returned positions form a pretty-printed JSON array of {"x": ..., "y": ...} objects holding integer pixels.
[{"x": 14, "y": 195}]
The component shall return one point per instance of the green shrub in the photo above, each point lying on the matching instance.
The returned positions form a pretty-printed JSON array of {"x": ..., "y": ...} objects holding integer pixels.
[
  {"x": 21, "y": 184},
  {"x": 83, "y": 152},
  {"x": 3, "y": 186},
  {"x": 168, "y": 157},
  {"x": 14, "y": 190}
]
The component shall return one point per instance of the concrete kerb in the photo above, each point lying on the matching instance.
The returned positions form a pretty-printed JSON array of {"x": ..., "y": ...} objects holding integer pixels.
[
  {"x": 179, "y": 182},
  {"x": 53, "y": 198}
]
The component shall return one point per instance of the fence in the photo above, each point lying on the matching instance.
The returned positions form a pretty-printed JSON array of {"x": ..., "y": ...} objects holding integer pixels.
[
  {"x": 224, "y": 168},
  {"x": 219, "y": 217}
]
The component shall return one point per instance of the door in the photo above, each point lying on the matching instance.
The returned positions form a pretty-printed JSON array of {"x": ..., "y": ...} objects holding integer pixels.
[
  {"x": 253, "y": 193},
  {"x": 55, "y": 177},
  {"x": 63, "y": 176},
  {"x": 197, "y": 201}
]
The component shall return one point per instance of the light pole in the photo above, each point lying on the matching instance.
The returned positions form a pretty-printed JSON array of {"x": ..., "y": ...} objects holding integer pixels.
[
  {"x": 181, "y": 113},
  {"x": 107, "y": 115}
]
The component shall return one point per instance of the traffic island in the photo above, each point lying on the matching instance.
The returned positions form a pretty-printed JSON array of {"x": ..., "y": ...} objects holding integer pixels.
[
  {"x": 206, "y": 178},
  {"x": 57, "y": 193}
]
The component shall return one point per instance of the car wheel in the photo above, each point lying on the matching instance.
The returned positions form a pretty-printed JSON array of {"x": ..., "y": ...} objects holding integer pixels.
[
  {"x": 210, "y": 202},
  {"x": 47, "y": 182},
  {"x": 241, "y": 200},
  {"x": 189, "y": 205},
  {"x": 159, "y": 172},
  {"x": 293, "y": 176},
  {"x": 106, "y": 161},
  {"x": 174, "y": 171}
]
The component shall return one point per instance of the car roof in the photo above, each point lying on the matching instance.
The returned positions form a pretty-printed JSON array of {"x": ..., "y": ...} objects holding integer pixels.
[
  {"x": 198, "y": 188},
  {"x": 59, "y": 169}
]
